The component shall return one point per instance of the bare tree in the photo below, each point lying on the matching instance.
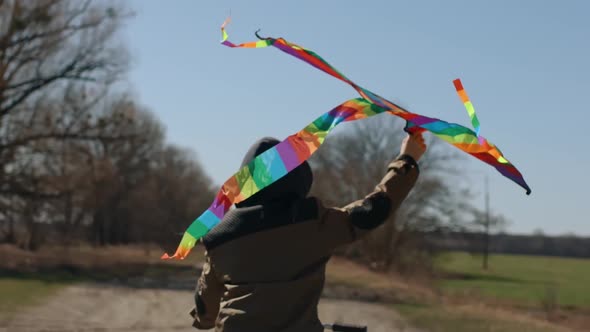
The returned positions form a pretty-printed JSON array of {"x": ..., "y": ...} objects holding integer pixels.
[
  {"x": 118, "y": 168},
  {"x": 58, "y": 59},
  {"x": 351, "y": 163},
  {"x": 175, "y": 193},
  {"x": 486, "y": 223},
  {"x": 76, "y": 152},
  {"x": 49, "y": 51}
]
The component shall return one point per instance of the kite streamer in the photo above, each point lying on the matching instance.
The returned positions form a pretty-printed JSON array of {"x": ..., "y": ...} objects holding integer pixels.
[
  {"x": 468, "y": 106},
  {"x": 272, "y": 165},
  {"x": 279, "y": 160}
]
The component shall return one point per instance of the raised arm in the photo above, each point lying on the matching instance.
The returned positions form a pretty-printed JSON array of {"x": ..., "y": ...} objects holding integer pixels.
[{"x": 344, "y": 225}]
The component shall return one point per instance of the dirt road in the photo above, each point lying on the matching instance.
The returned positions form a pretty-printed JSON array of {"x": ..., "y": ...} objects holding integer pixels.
[{"x": 97, "y": 308}]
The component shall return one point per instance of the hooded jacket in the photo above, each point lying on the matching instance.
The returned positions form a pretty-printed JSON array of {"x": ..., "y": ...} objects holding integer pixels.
[{"x": 265, "y": 261}]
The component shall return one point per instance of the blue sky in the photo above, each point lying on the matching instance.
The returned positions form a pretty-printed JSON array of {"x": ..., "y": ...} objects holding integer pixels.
[{"x": 525, "y": 65}]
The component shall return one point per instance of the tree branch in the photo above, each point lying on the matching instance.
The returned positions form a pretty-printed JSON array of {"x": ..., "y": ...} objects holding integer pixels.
[
  {"x": 36, "y": 84},
  {"x": 65, "y": 28},
  {"x": 64, "y": 136}
]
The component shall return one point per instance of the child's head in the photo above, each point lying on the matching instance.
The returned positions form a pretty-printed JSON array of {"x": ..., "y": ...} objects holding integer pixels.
[{"x": 295, "y": 185}]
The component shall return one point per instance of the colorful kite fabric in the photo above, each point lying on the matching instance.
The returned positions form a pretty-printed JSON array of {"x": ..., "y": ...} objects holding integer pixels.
[
  {"x": 469, "y": 106},
  {"x": 276, "y": 162},
  {"x": 272, "y": 165}
]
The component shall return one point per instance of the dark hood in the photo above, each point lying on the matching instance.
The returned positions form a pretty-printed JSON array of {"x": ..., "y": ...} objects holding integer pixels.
[{"x": 291, "y": 187}]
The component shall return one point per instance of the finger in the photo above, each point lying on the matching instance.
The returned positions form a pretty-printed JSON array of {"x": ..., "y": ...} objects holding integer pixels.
[{"x": 419, "y": 138}]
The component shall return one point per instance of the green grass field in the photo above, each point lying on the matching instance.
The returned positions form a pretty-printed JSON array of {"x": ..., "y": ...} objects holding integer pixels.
[
  {"x": 438, "y": 318},
  {"x": 527, "y": 280},
  {"x": 17, "y": 293},
  {"x": 424, "y": 311}
]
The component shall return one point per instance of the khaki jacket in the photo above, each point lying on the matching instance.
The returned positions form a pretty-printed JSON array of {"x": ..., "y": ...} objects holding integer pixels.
[{"x": 272, "y": 280}]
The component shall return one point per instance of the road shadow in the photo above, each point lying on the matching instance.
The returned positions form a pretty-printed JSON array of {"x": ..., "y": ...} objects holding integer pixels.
[{"x": 482, "y": 277}]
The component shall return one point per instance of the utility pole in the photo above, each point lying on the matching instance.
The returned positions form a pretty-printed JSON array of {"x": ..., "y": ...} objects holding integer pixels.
[{"x": 486, "y": 249}]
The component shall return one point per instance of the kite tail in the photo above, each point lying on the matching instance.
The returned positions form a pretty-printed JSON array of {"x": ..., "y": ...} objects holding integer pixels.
[
  {"x": 459, "y": 136},
  {"x": 281, "y": 159},
  {"x": 186, "y": 245},
  {"x": 270, "y": 166},
  {"x": 469, "y": 107}
]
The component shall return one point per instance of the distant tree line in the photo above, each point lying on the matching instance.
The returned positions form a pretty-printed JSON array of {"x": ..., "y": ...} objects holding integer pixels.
[
  {"x": 77, "y": 152},
  {"x": 534, "y": 244}
]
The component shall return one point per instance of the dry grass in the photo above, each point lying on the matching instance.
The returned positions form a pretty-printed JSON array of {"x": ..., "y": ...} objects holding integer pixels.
[
  {"x": 87, "y": 256},
  {"x": 343, "y": 275}
]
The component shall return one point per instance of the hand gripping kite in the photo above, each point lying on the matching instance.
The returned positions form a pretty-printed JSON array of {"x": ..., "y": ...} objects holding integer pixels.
[{"x": 276, "y": 162}]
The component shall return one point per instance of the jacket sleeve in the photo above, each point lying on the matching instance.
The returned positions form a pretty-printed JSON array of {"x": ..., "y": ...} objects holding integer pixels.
[
  {"x": 207, "y": 297},
  {"x": 344, "y": 225}
]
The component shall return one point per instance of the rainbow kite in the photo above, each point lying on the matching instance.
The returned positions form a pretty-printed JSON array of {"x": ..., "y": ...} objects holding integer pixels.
[{"x": 279, "y": 160}]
